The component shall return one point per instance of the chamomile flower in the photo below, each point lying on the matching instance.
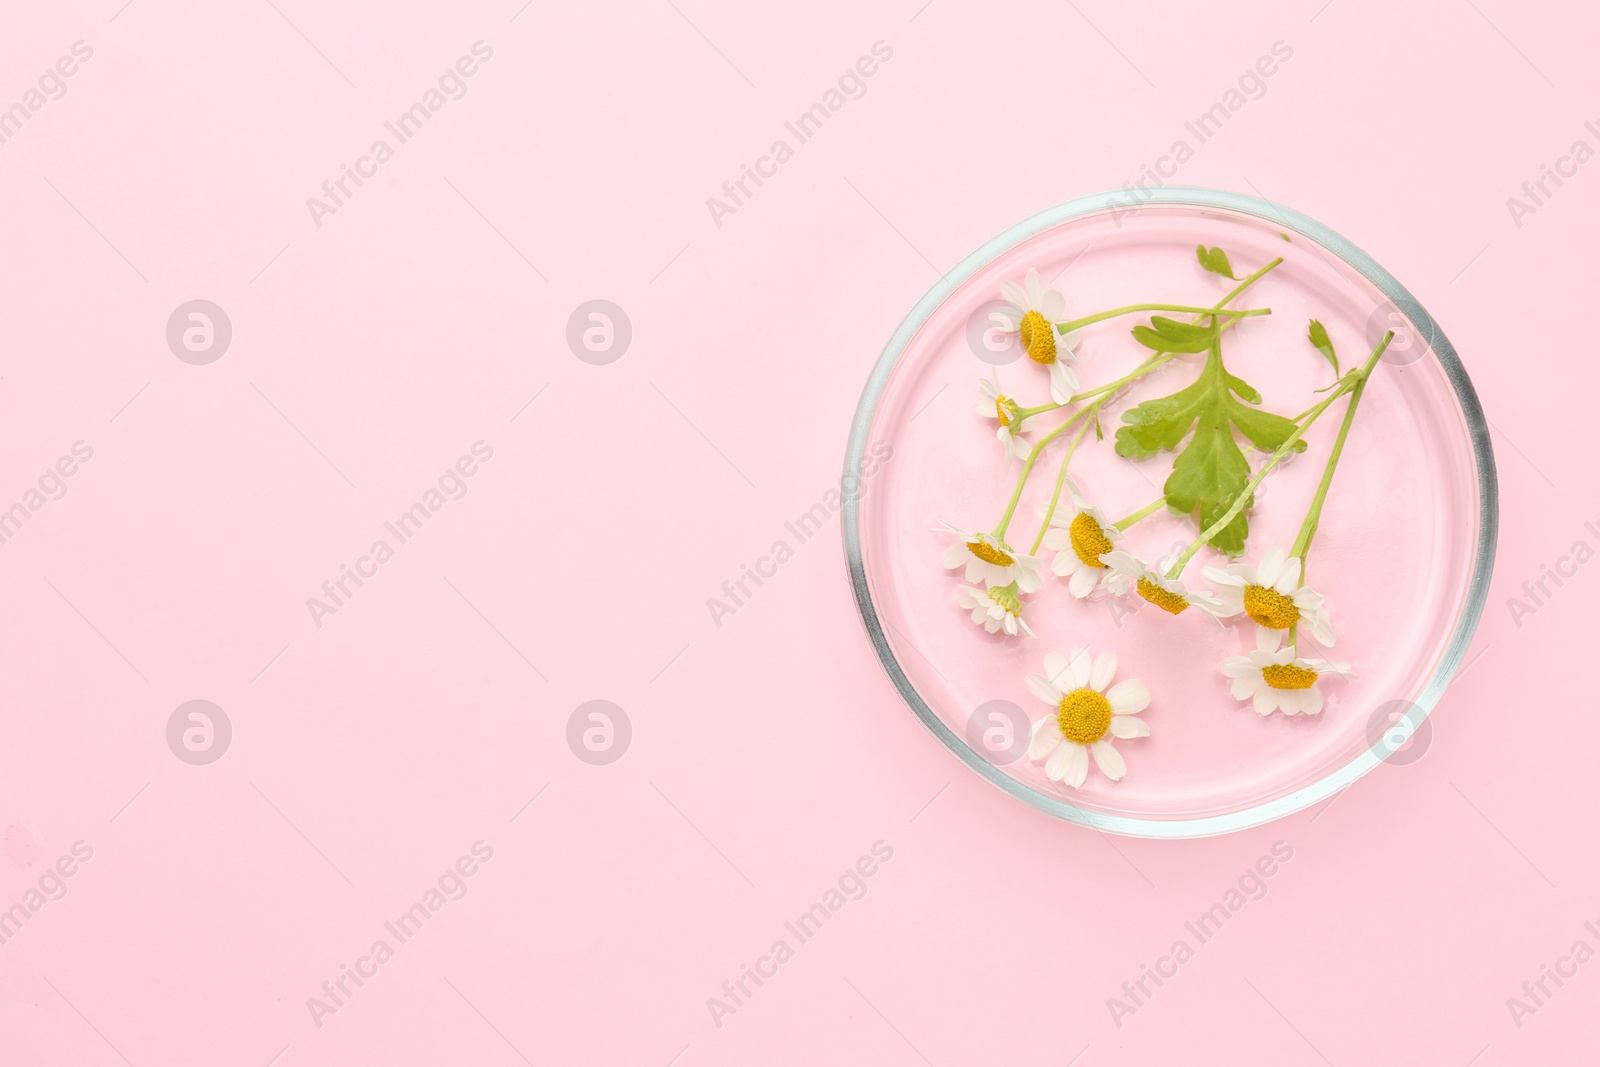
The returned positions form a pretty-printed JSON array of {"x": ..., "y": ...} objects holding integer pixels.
[
  {"x": 1080, "y": 536},
  {"x": 1168, "y": 594},
  {"x": 1032, "y": 315},
  {"x": 991, "y": 561},
  {"x": 993, "y": 404},
  {"x": 1275, "y": 679},
  {"x": 1272, "y": 595},
  {"x": 1086, "y": 716},
  {"x": 996, "y": 609}
]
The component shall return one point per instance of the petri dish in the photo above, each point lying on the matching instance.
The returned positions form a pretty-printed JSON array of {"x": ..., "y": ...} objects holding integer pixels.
[{"x": 1403, "y": 552}]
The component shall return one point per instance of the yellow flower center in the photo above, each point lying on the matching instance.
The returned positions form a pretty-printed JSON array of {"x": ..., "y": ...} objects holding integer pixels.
[
  {"x": 1162, "y": 598},
  {"x": 1038, "y": 338},
  {"x": 989, "y": 553},
  {"x": 1085, "y": 716},
  {"x": 1288, "y": 676},
  {"x": 1270, "y": 608},
  {"x": 1088, "y": 539},
  {"x": 1000, "y": 403}
]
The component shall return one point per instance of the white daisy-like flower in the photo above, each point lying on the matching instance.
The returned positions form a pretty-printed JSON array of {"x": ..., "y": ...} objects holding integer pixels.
[
  {"x": 996, "y": 609},
  {"x": 1080, "y": 538},
  {"x": 1272, "y": 595},
  {"x": 1168, "y": 594},
  {"x": 1086, "y": 716},
  {"x": 1033, "y": 315},
  {"x": 1275, "y": 679},
  {"x": 991, "y": 561},
  {"x": 993, "y": 404}
]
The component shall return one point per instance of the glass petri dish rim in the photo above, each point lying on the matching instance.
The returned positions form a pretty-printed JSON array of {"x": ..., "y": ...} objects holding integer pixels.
[{"x": 1177, "y": 196}]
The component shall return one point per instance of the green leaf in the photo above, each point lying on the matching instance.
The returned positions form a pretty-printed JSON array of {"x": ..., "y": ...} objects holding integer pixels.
[
  {"x": 1210, "y": 470},
  {"x": 1318, "y": 335},
  {"x": 1170, "y": 335},
  {"x": 1245, "y": 390},
  {"x": 1214, "y": 260}
]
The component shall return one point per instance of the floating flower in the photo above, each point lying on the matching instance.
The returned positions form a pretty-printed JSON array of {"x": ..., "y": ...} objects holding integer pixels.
[
  {"x": 1087, "y": 716},
  {"x": 1080, "y": 538},
  {"x": 1168, "y": 594},
  {"x": 1278, "y": 680},
  {"x": 996, "y": 609},
  {"x": 991, "y": 561},
  {"x": 1272, "y": 595},
  {"x": 994, "y": 404},
  {"x": 1033, "y": 315}
]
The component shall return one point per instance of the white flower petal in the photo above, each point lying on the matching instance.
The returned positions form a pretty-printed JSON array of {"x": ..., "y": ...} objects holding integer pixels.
[
  {"x": 1061, "y": 757},
  {"x": 1129, "y": 726},
  {"x": 1109, "y": 760},
  {"x": 1041, "y": 687},
  {"x": 1320, "y": 629},
  {"x": 1083, "y": 580},
  {"x": 1036, "y": 289},
  {"x": 1082, "y": 666},
  {"x": 1128, "y": 697},
  {"x": 1289, "y": 580},
  {"x": 1026, "y": 574},
  {"x": 1271, "y": 566},
  {"x": 1237, "y": 666},
  {"x": 1105, "y": 668},
  {"x": 1063, "y": 382},
  {"x": 1124, "y": 562},
  {"x": 1077, "y": 768},
  {"x": 1045, "y": 737},
  {"x": 1218, "y": 576}
]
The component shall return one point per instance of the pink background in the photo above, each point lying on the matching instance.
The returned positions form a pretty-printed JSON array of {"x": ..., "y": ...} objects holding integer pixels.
[{"x": 769, "y": 753}]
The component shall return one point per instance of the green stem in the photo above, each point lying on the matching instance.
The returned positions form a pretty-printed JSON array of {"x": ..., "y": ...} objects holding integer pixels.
[
  {"x": 1308, "y": 529},
  {"x": 1349, "y": 383},
  {"x": 1155, "y": 361},
  {"x": 1247, "y": 281},
  {"x": 1142, "y": 369},
  {"x": 1130, "y": 309},
  {"x": 1140, "y": 515},
  {"x": 1027, "y": 469},
  {"x": 1061, "y": 479},
  {"x": 1162, "y": 357}
]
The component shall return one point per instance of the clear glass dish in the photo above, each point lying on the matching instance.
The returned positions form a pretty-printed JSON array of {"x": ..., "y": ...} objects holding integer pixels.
[{"x": 1404, "y": 551}]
